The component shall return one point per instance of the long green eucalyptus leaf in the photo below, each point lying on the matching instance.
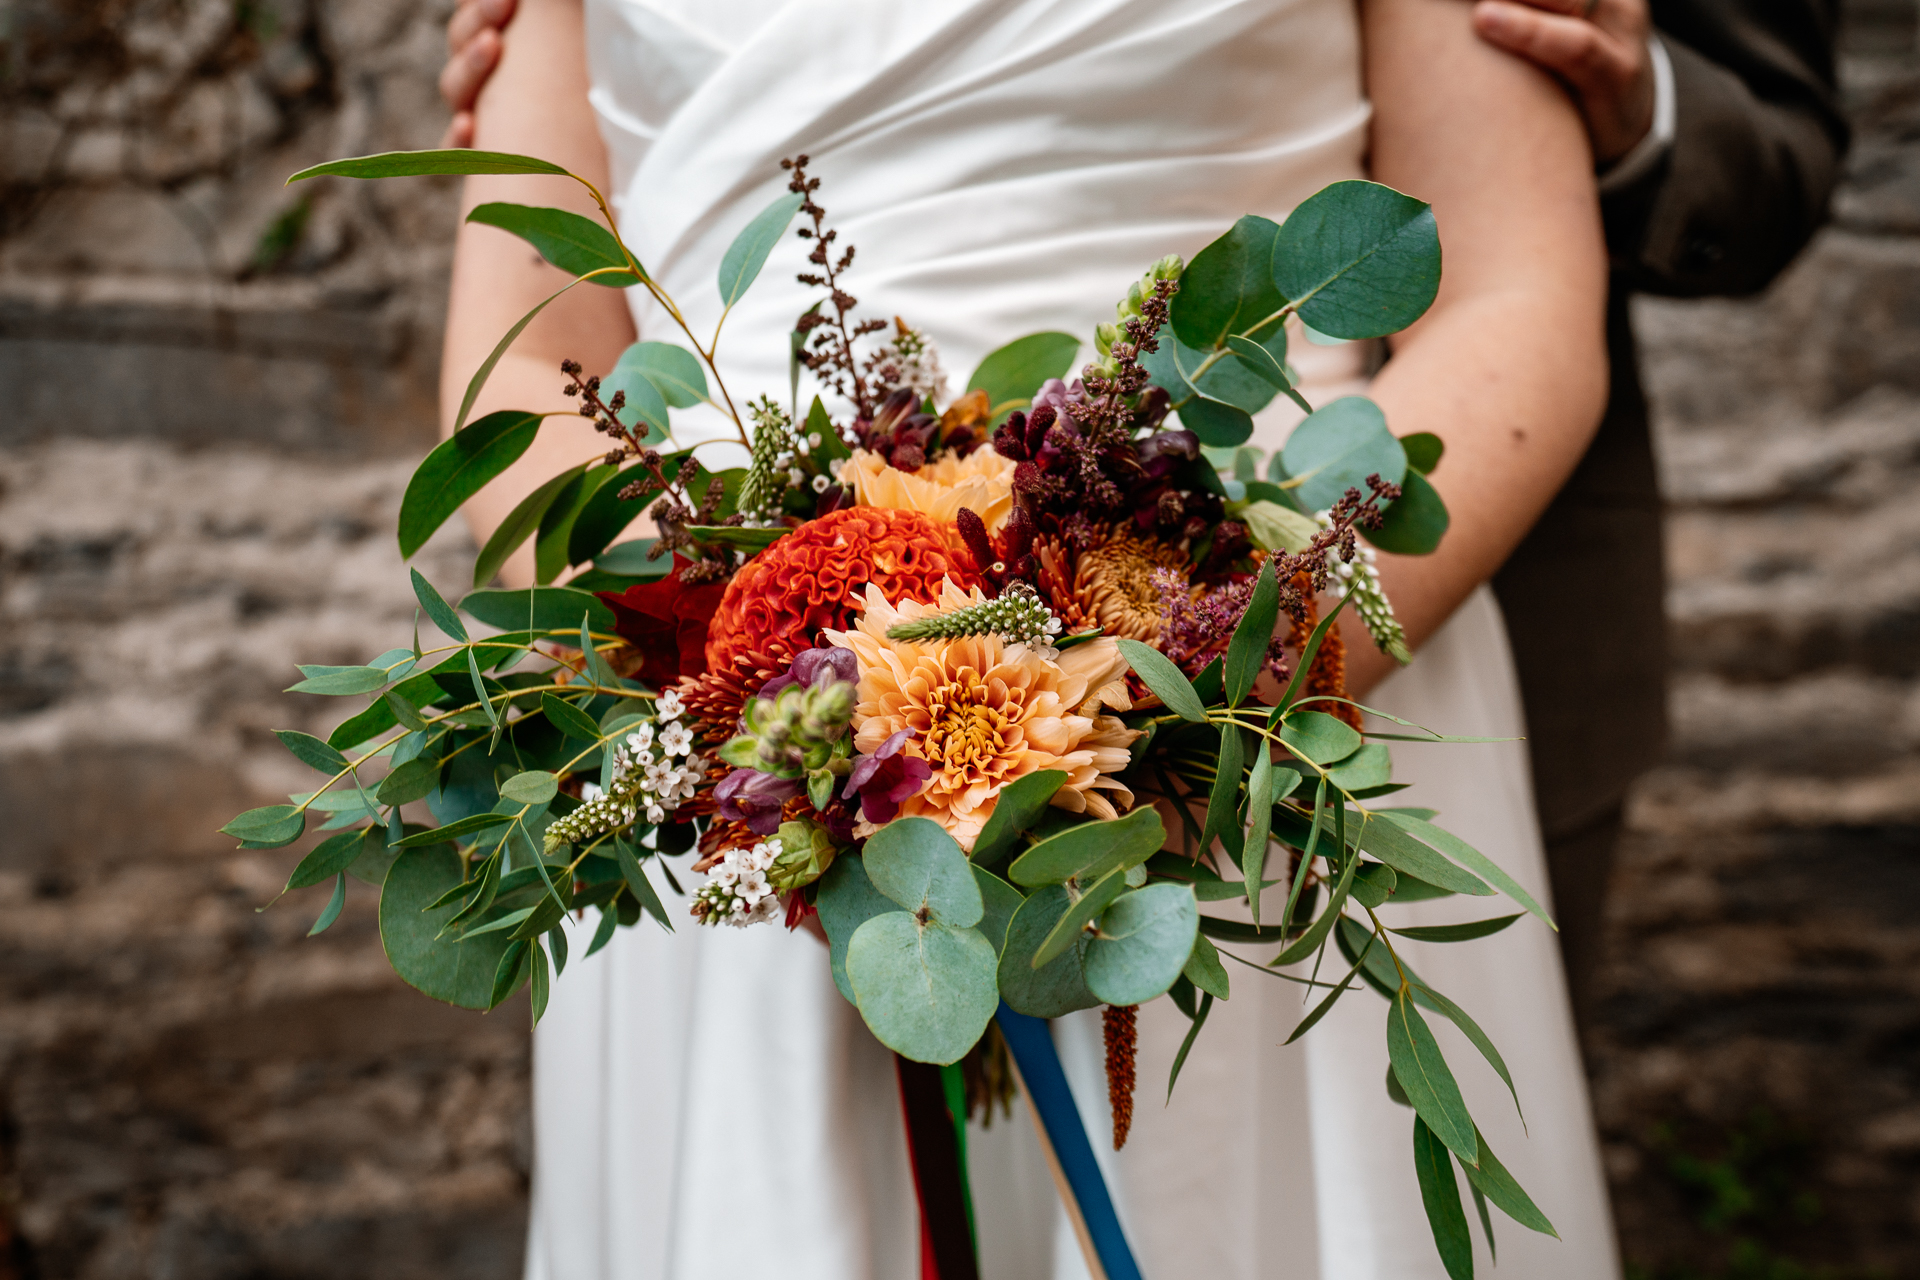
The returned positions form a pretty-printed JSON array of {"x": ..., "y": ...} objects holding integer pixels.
[{"x": 412, "y": 164}]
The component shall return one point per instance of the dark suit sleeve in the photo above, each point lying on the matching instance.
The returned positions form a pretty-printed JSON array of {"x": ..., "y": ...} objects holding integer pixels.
[{"x": 1756, "y": 150}]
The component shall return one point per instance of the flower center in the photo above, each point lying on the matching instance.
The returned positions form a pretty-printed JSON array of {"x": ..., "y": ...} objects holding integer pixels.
[{"x": 966, "y": 731}]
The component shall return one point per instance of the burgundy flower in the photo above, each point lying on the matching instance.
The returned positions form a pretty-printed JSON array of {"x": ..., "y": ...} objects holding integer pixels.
[
  {"x": 886, "y": 778},
  {"x": 752, "y": 797},
  {"x": 666, "y": 620}
]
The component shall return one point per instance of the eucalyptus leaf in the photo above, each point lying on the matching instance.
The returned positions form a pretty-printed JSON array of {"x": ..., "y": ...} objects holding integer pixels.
[
  {"x": 509, "y": 973},
  {"x": 1493, "y": 1181},
  {"x": 552, "y": 542},
  {"x": 553, "y": 610},
  {"x": 437, "y": 609},
  {"x": 1203, "y": 968},
  {"x": 1247, "y": 651},
  {"x": 338, "y": 682},
  {"x": 927, "y": 991},
  {"x": 918, "y": 865},
  {"x": 457, "y": 970},
  {"x": 1089, "y": 850},
  {"x": 411, "y": 781},
  {"x": 454, "y": 830},
  {"x": 630, "y": 559},
  {"x": 1001, "y": 900},
  {"x": 519, "y": 526},
  {"x": 1457, "y": 932},
  {"x": 1467, "y": 856},
  {"x": 1319, "y": 737},
  {"x": 1358, "y": 259},
  {"x": 638, "y": 375},
  {"x": 1019, "y": 804},
  {"x": 329, "y": 858},
  {"x": 1052, "y": 990},
  {"x": 1166, "y": 680},
  {"x": 534, "y": 787},
  {"x": 311, "y": 751},
  {"x": 1216, "y": 422},
  {"x": 1144, "y": 941},
  {"x": 268, "y": 827},
  {"x": 406, "y": 164},
  {"x": 1440, "y": 1194},
  {"x": 674, "y": 371},
  {"x": 1423, "y": 1072},
  {"x": 1480, "y": 1040},
  {"x": 568, "y": 719},
  {"x": 331, "y": 911},
  {"x": 1415, "y": 523},
  {"x": 1186, "y": 1045},
  {"x": 1370, "y": 766},
  {"x": 1337, "y": 447},
  {"x": 1067, "y": 932},
  {"x": 641, "y": 887},
  {"x": 1386, "y": 841},
  {"x": 1424, "y": 450},
  {"x": 1229, "y": 285},
  {"x": 738, "y": 537},
  {"x": 846, "y": 900},
  {"x": 1011, "y": 374},
  {"x": 742, "y": 261},
  {"x": 459, "y": 467},
  {"x": 570, "y": 242}
]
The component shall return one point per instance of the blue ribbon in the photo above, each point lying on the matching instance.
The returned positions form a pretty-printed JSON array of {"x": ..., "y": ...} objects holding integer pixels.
[{"x": 1031, "y": 1042}]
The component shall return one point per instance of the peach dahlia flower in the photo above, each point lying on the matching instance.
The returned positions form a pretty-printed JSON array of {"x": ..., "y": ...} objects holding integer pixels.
[
  {"x": 982, "y": 481},
  {"x": 984, "y": 713}
]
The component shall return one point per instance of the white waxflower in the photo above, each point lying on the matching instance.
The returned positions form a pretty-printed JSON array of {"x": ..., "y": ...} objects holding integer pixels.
[
  {"x": 813, "y": 440},
  {"x": 641, "y": 738},
  {"x": 795, "y": 477},
  {"x": 656, "y": 815},
  {"x": 676, "y": 740},
  {"x": 669, "y": 707},
  {"x": 589, "y": 792},
  {"x": 820, "y": 484}
]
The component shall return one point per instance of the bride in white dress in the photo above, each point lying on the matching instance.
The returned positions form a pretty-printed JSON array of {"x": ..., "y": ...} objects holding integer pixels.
[{"x": 708, "y": 1106}]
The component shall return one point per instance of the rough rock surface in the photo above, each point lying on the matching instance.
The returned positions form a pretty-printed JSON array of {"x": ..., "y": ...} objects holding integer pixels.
[
  {"x": 215, "y": 388},
  {"x": 1757, "y": 1063}
]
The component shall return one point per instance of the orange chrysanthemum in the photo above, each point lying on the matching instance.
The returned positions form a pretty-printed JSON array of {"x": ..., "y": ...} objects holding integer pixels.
[
  {"x": 983, "y": 713},
  {"x": 807, "y": 581}
]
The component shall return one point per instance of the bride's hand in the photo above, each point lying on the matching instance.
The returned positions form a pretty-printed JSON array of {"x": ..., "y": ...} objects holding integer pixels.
[{"x": 473, "y": 51}]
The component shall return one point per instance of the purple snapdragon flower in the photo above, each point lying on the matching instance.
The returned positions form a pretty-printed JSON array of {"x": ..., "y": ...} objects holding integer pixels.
[
  {"x": 755, "y": 798},
  {"x": 885, "y": 779}
]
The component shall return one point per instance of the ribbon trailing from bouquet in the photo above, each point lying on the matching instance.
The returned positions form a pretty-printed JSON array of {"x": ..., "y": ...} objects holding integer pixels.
[{"x": 1083, "y": 1188}]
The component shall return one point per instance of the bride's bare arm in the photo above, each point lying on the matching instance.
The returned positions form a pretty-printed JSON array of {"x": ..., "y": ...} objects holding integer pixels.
[
  {"x": 536, "y": 104},
  {"x": 1510, "y": 365}
]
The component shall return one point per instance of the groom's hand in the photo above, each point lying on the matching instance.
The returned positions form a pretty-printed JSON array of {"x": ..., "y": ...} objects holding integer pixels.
[
  {"x": 1598, "y": 47},
  {"x": 473, "y": 50}
]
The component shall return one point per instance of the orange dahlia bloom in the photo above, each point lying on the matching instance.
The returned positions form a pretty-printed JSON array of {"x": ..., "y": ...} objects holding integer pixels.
[
  {"x": 982, "y": 481},
  {"x": 785, "y": 596},
  {"x": 984, "y": 713}
]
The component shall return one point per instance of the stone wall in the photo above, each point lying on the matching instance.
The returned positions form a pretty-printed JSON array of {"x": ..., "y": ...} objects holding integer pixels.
[
  {"x": 1757, "y": 1062},
  {"x": 215, "y": 389}
]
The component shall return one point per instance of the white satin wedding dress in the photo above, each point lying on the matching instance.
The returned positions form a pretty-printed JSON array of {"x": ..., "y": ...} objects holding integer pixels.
[{"x": 707, "y": 1107}]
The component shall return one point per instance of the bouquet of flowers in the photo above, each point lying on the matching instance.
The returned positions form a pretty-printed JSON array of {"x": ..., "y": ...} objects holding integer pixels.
[{"x": 1003, "y": 688}]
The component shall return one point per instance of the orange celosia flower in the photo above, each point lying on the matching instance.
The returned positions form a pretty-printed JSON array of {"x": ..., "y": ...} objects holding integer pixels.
[
  {"x": 984, "y": 713},
  {"x": 807, "y": 581},
  {"x": 981, "y": 481}
]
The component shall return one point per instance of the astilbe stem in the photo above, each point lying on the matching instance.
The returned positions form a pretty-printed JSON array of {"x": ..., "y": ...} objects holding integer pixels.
[{"x": 1120, "y": 1024}]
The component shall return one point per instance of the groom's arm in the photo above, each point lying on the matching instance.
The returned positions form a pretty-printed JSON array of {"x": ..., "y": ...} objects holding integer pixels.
[
  {"x": 1757, "y": 143},
  {"x": 1715, "y": 126}
]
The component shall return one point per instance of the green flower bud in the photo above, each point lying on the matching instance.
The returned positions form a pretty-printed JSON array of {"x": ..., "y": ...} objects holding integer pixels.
[{"x": 806, "y": 851}]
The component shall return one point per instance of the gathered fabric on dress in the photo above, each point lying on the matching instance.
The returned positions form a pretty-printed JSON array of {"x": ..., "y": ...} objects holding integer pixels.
[{"x": 706, "y": 1104}]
